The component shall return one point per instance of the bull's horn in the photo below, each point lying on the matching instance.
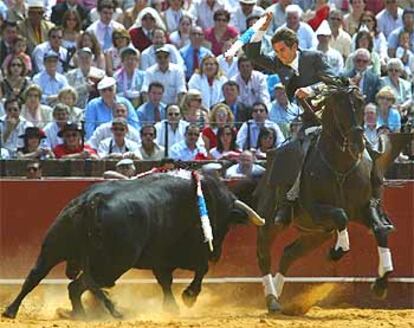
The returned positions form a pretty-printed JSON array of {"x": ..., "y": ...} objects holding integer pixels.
[{"x": 253, "y": 216}]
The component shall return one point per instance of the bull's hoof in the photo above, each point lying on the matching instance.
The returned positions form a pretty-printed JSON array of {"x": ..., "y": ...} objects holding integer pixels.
[
  {"x": 9, "y": 313},
  {"x": 380, "y": 286},
  {"x": 336, "y": 254},
  {"x": 189, "y": 297},
  {"x": 272, "y": 304}
]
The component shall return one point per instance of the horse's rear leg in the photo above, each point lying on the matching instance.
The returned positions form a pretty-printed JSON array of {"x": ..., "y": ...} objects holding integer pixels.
[
  {"x": 265, "y": 238},
  {"x": 302, "y": 246},
  {"x": 42, "y": 267}
]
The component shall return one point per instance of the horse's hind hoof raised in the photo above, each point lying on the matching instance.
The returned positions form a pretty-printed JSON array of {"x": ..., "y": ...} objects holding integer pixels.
[
  {"x": 272, "y": 304},
  {"x": 336, "y": 254},
  {"x": 380, "y": 286},
  {"x": 9, "y": 313}
]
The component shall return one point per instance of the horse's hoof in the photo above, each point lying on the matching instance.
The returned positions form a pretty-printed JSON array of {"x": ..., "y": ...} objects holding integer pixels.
[
  {"x": 189, "y": 297},
  {"x": 9, "y": 313},
  {"x": 66, "y": 314},
  {"x": 380, "y": 286},
  {"x": 117, "y": 315},
  {"x": 171, "y": 307},
  {"x": 272, "y": 304},
  {"x": 336, "y": 254}
]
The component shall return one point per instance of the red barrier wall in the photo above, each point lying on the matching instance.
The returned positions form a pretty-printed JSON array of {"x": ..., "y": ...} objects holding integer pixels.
[{"x": 28, "y": 208}]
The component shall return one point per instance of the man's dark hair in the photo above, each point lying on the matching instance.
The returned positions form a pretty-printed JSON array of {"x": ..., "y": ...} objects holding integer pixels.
[
  {"x": 155, "y": 85},
  {"x": 407, "y": 11},
  {"x": 231, "y": 83},
  {"x": 286, "y": 35},
  {"x": 259, "y": 103},
  {"x": 191, "y": 126},
  {"x": 110, "y": 4},
  {"x": 222, "y": 12},
  {"x": 148, "y": 126},
  {"x": 53, "y": 30},
  {"x": 11, "y": 100},
  {"x": 242, "y": 59}
]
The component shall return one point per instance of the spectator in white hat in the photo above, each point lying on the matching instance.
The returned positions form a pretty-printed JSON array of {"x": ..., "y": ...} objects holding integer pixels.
[
  {"x": 100, "y": 110},
  {"x": 334, "y": 57},
  {"x": 245, "y": 9},
  {"x": 34, "y": 28}
]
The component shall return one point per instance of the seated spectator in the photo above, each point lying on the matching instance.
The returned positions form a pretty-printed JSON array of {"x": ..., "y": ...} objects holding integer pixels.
[
  {"x": 33, "y": 146},
  {"x": 241, "y": 111},
  {"x": 153, "y": 110},
  {"x": 334, "y": 57},
  {"x": 368, "y": 82},
  {"x": 49, "y": 80},
  {"x": 192, "y": 110},
  {"x": 15, "y": 82},
  {"x": 306, "y": 36},
  {"x": 173, "y": 13},
  {"x": 129, "y": 78},
  {"x": 120, "y": 40},
  {"x": 364, "y": 40},
  {"x": 33, "y": 111},
  {"x": 104, "y": 130},
  {"x": 149, "y": 149},
  {"x": 404, "y": 53},
  {"x": 72, "y": 25},
  {"x": 341, "y": 40},
  {"x": 245, "y": 9},
  {"x": 209, "y": 81},
  {"x": 219, "y": 116},
  {"x": 402, "y": 88},
  {"x": 85, "y": 77},
  {"x": 265, "y": 142},
  {"x": 387, "y": 114},
  {"x": 283, "y": 112},
  {"x": 189, "y": 149},
  {"x": 118, "y": 145},
  {"x": 245, "y": 167},
  {"x": 319, "y": 13},
  {"x": 252, "y": 83},
  {"x": 125, "y": 169},
  {"x": 352, "y": 19},
  {"x": 19, "y": 48},
  {"x": 370, "y": 124},
  {"x": 248, "y": 134},
  {"x": 170, "y": 75},
  {"x": 194, "y": 53},
  {"x": 226, "y": 144},
  {"x": 390, "y": 17},
  {"x": 100, "y": 110},
  {"x": 131, "y": 13},
  {"x": 408, "y": 25},
  {"x": 88, "y": 40},
  {"x": 203, "y": 12},
  {"x": 53, "y": 45},
  {"x": 171, "y": 130},
  {"x": 181, "y": 37},
  {"x": 59, "y": 10},
  {"x": 159, "y": 40},
  {"x": 72, "y": 146},
  {"x": 12, "y": 125},
  {"x": 69, "y": 97},
  {"x": 220, "y": 32},
  {"x": 34, "y": 170},
  {"x": 143, "y": 30},
  {"x": 52, "y": 129}
]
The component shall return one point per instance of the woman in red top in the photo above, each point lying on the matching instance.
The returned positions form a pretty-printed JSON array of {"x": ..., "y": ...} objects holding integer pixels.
[
  {"x": 219, "y": 116},
  {"x": 72, "y": 147},
  {"x": 320, "y": 13},
  {"x": 220, "y": 32}
]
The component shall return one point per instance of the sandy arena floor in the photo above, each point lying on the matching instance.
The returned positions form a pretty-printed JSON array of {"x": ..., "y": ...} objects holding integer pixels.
[{"x": 143, "y": 309}]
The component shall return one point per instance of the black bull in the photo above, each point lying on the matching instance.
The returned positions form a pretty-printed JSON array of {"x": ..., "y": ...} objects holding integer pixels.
[{"x": 150, "y": 223}]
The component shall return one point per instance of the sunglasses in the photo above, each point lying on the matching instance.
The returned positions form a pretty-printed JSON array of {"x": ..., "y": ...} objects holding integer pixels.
[
  {"x": 335, "y": 18},
  {"x": 162, "y": 56},
  {"x": 56, "y": 37},
  {"x": 16, "y": 65},
  {"x": 173, "y": 114},
  {"x": 108, "y": 89},
  {"x": 393, "y": 70},
  {"x": 197, "y": 34},
  {"x": 221, "y": 20}
]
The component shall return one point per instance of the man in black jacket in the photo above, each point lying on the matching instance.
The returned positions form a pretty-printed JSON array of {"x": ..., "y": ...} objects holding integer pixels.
[
  {"x": 59, "y": 10},
  {"x": 241, "y": 111}
]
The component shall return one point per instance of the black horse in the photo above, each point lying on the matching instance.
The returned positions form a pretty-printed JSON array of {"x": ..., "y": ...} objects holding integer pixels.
[{"x": 335, "y": 187}]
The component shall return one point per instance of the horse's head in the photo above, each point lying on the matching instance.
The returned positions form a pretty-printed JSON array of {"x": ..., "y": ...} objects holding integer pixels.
[{"x": 343, "y": 116}]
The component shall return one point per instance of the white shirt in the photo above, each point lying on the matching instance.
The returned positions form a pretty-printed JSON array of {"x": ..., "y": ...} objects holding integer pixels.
[
  {"x": 229, "y": 69},
  {"x": 386, "y": 23},
  {"x": 172, "y": 79},
  {"x": 109, "y": 146},
  {"x": 238, "y": 19},
  {"x": 99, "y": 29},
  {"x": 210, "y": 95},
  {"x": 173, "y": 136},
  {"x": 204, "y": 15},
  {"x": 148, "y": 56},
  {"x": 104, "y": 131},
  {"x": 51, "y": 130},
  {"x": 38, "y": 56},
  {"x": 255, "y": 90},
  {"x": 242, "y": 135},
  {"x": 13, "y": 141},
  {"x": 172, "y": 18}
]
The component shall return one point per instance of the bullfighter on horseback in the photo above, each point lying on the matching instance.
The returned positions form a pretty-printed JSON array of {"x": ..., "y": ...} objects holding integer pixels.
[{"x": 302, "y": 72}]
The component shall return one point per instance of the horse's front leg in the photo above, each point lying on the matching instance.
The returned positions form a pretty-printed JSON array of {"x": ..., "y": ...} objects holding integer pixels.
[{"x": 265, "y": 238}]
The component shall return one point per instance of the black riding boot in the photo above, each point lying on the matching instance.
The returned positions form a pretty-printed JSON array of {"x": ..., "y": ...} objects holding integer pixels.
[{"x": 283, "y": 214}]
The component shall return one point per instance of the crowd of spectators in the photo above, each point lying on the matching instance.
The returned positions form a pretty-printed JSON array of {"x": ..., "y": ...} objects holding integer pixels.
[{"x": 148, "y": 79}]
